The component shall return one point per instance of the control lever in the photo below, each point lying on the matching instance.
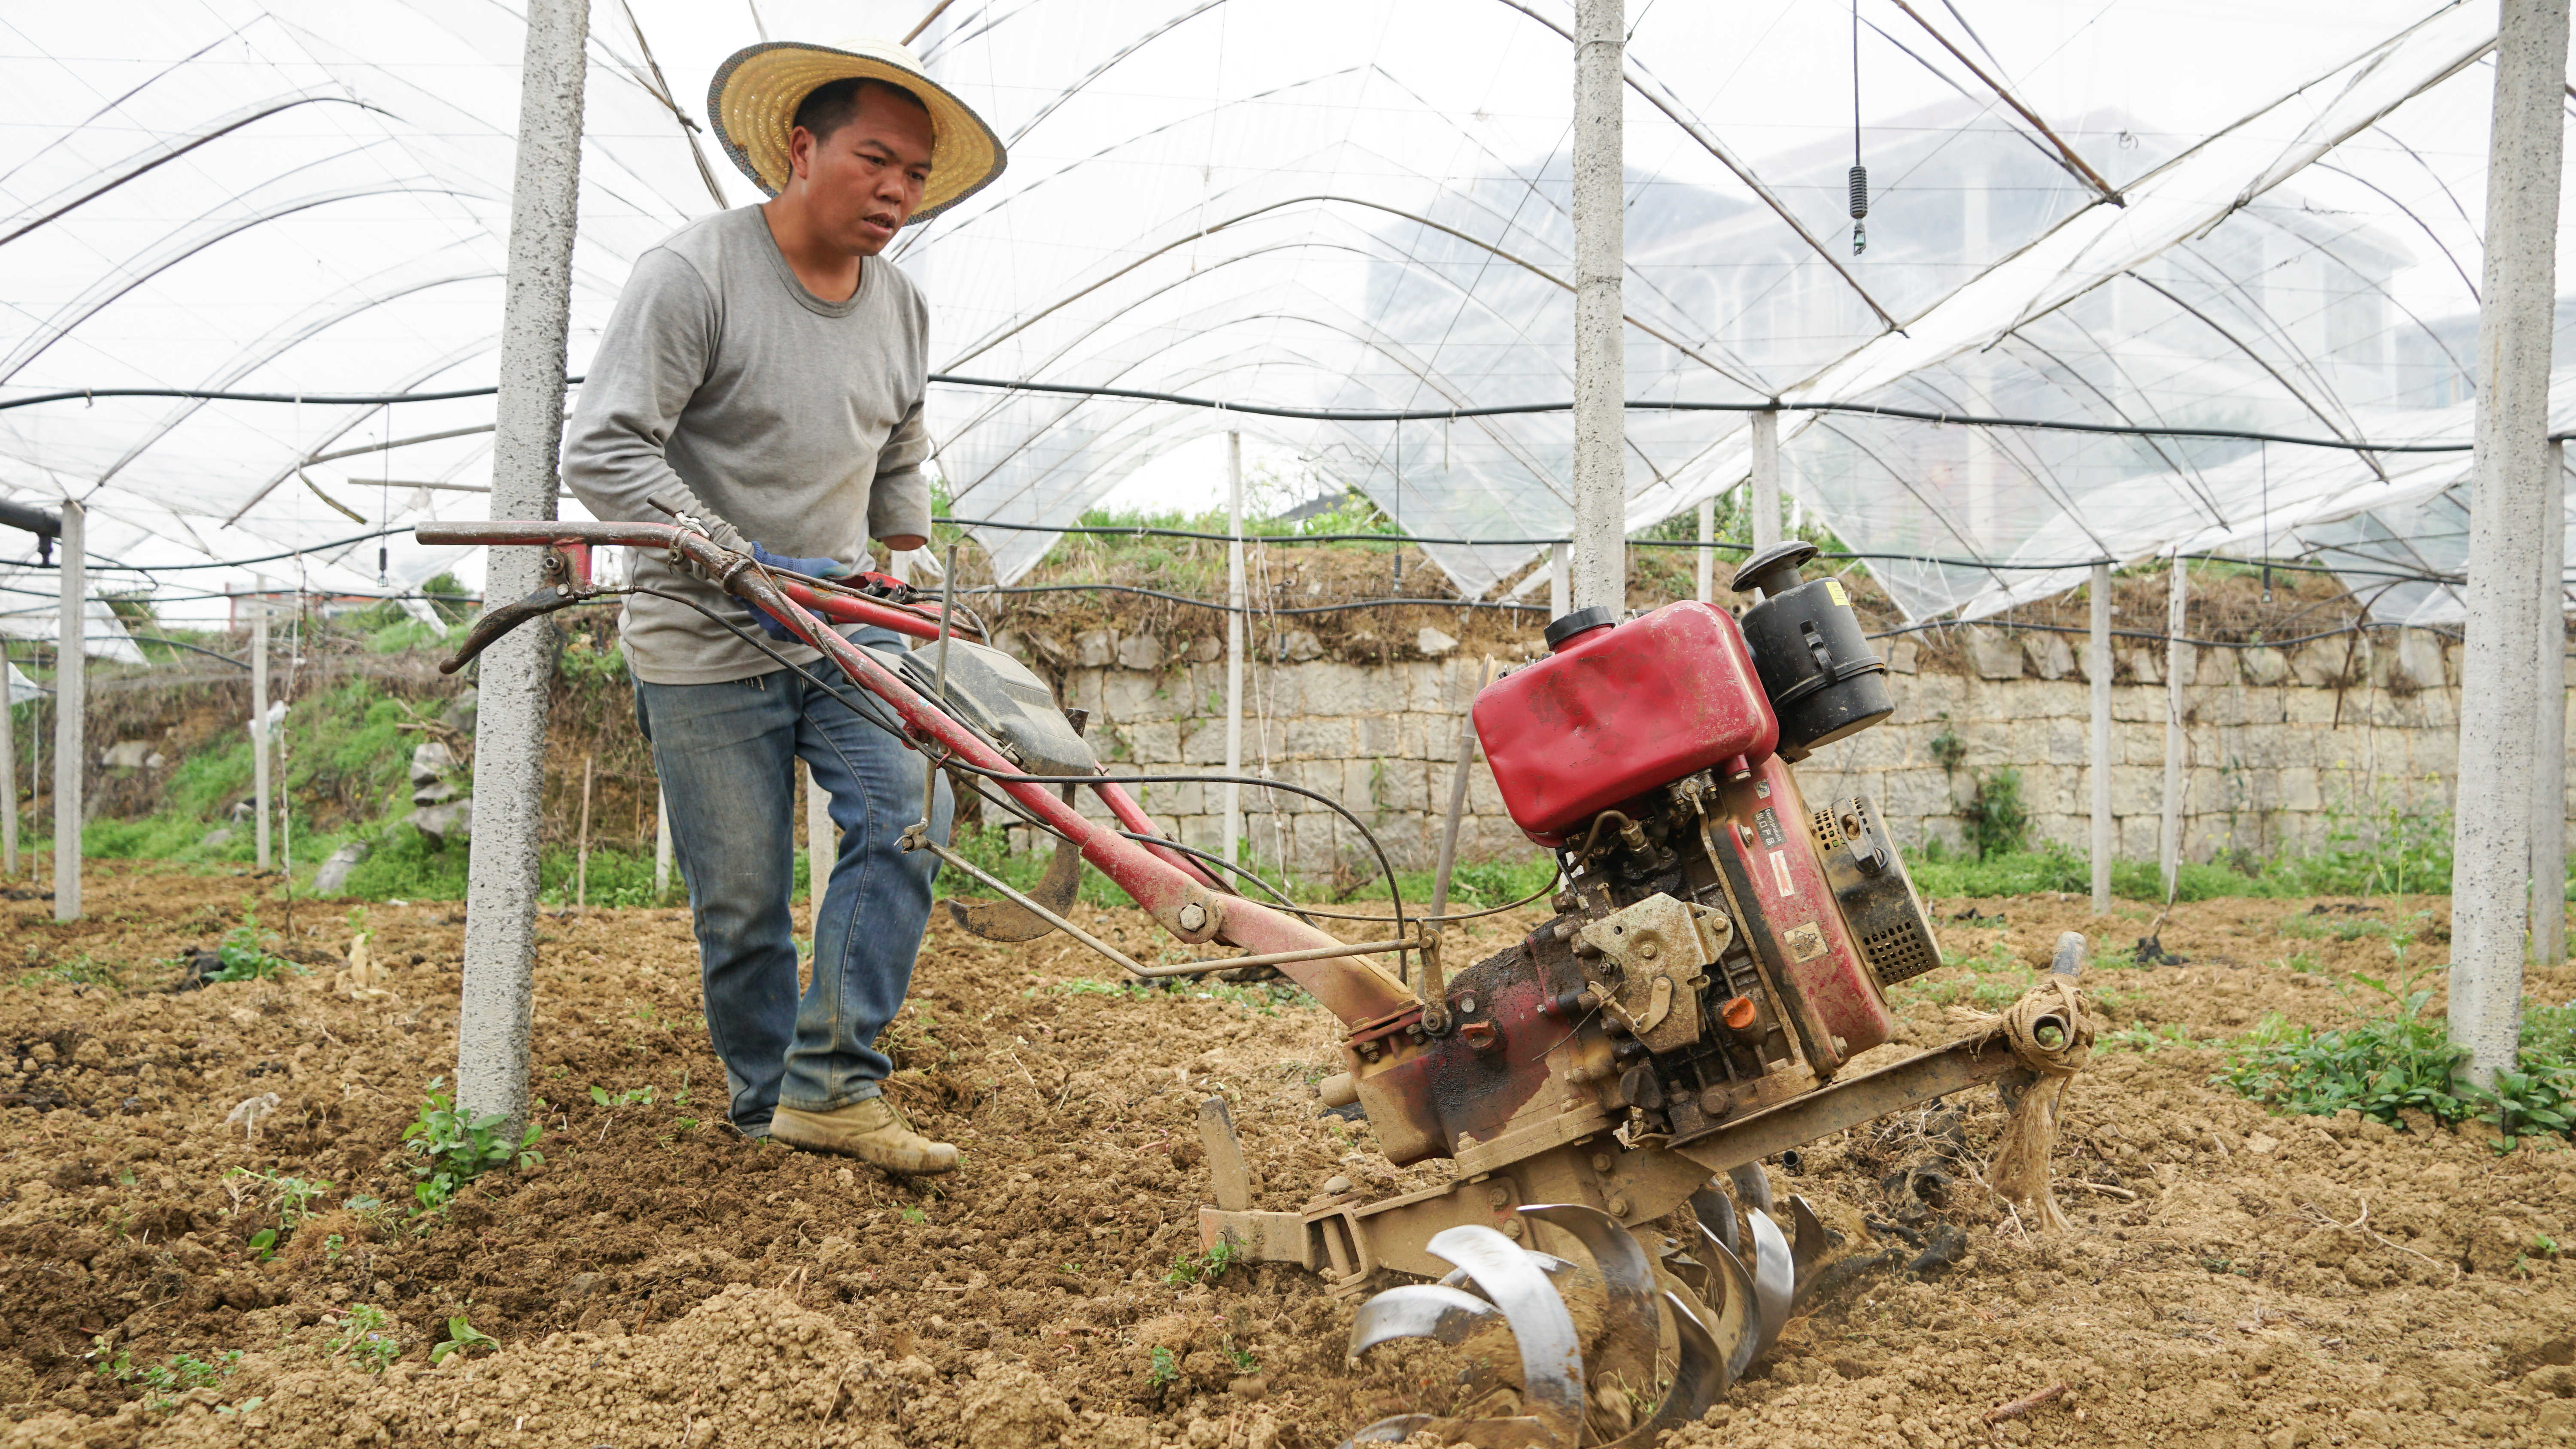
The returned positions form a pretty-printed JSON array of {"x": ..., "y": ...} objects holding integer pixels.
[{"x": 557, "y": 593}]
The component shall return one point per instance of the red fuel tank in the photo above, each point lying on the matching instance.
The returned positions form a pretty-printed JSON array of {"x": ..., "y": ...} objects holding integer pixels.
[{"x": 1618, "y": 711}]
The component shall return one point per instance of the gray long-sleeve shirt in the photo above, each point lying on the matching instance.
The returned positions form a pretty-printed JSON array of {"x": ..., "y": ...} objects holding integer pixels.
[{"x": 722, "y": 384}]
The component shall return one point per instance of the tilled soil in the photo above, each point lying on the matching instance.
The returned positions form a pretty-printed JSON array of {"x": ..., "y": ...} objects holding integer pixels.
[{"x": 2234, "y": 1278}]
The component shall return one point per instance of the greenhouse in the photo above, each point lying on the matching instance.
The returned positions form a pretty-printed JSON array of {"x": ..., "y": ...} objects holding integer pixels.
[{"x": 1219, "y": 724}]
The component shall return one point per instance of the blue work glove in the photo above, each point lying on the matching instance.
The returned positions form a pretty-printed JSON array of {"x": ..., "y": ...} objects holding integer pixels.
[{"x": 820, "y": 568}]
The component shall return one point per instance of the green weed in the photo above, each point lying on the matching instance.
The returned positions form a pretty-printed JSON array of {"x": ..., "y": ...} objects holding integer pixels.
[
  {"x": 456, "y": 1148},
  {"x": 2397, "y": 1058},
  {"x": 1164, "y": 1366},
  {"x": 463, "y": 1337},
  {"x": 248, "y": 954},
  {"x": 2146, "y": 1038},
  {"x": 1997, "y": 819},
  {"x": 166, "y": 1381},
  {"x": 292, "y": 1197},
  {"x": 366, "y": 1338},
  {"x": 81, "y": 970},
  {"x": 1204, "y": 1267}
]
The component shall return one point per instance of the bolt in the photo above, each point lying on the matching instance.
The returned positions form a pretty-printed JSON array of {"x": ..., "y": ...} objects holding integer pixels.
[
  {"x": 1601, "y": 1162},
  {"x": 1513, "y": 1229},
  {"x": 1618, "y": 1207},
  {"x": 1499, "y": 1193},
  {"x": 1193, "y": 917}
]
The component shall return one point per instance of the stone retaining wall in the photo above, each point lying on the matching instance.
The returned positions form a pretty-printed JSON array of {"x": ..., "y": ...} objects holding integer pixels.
[{"x": 2287, "y": 749}]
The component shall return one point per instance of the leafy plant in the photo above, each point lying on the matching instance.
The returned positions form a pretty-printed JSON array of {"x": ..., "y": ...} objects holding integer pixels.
[
  {"x": 914, "y": 1216},
  {"x": 2401, "y": 1059},
  {"x": 246, "y": 954},
  {"x": 166, "y": 1381},
  {"x": 1948, "y": 750},
  {"x": 463, "y": 1337},
  {"x": 1165, "y": 1366},
  {"x": 366, "y": 1337},
  {"x": 2146, "y": 1038},
  {"x": 1205, "y": 1267},
  {"x": 631, "y": 1097},
  {"x": 1244, "y": 1362},
  {"x": 1997, "y": 819},
  {"x": 456, "y": 1148},
  {"x": 293, "y": 1196}
]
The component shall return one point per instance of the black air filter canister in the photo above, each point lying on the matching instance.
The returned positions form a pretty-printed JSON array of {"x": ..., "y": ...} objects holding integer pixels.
[{"x": 1824, "y": 680}]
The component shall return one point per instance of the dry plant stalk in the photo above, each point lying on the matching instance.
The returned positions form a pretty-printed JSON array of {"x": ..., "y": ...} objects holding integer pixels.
[{"x": 2021, "y": 1407}]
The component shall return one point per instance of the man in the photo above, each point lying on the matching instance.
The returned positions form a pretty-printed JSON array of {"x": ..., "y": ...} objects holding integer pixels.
[{"x": 764, "y": 371}]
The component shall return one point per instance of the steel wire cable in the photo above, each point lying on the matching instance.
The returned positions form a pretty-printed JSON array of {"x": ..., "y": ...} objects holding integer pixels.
[{"x": 867, "y": 711}]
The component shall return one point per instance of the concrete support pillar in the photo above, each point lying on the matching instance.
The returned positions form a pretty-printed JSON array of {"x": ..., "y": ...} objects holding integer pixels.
[
  {"x": 2177, "y": 665},
  {"x": 8, "y": 773},
  {"x": 70, "y": 687},
  {"x": 2097, "y": 666},
  {"x": 1237, "y": 598},
  {"x": 822, "y": 848},
  {"x": 2549, "y": 749},
  {"x": 1600, "y": 554},
  {"x": 510, "y": 741},
  {"x": 661, "y": 845},
  {"x": 1764, "y": 497},
  {"x": 2491, "y": 841},
  {"x": 1707, "y": 555},
  {"x": 259, "y": 755}
]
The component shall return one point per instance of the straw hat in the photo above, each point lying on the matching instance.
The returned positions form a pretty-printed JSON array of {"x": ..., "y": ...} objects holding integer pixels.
[{"x": 754, "y": 97}]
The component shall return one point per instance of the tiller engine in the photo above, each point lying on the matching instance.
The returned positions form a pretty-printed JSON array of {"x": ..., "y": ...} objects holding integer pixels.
[
  {"x": 1721, "y": 950},
  {"x": 1720, "y": 953}
]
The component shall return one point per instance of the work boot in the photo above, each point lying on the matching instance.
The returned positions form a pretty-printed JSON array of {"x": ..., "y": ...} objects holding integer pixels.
[{"x": 871, "y": 1131}]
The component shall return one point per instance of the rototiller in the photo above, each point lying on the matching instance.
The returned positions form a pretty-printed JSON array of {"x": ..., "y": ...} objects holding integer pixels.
[{"x": 1720, "y": 952}]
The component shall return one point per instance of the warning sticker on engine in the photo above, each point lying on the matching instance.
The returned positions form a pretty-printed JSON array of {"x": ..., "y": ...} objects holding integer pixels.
[
  {"x": 1806, "y": 942},
  {"x": 1767, "y": 820},
  {"x": 1834, "y": 591},
  {"x": 1780, "y": 872}
]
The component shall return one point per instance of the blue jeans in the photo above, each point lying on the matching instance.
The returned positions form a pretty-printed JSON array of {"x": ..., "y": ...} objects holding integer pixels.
[{"x": 726, "y": 756}]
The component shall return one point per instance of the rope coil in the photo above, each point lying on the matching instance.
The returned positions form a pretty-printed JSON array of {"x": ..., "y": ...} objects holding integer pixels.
[{"x": 2050, "y": 1033}]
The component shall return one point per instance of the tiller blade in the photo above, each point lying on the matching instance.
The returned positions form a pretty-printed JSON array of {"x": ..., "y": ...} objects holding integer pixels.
[
  {"x": 1718, "y": 1327},
  {"x": 1011, "y": 921}
]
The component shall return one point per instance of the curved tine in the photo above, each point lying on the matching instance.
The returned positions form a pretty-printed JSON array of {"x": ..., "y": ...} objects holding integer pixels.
[
  {"x": 1699, "y": 1376},
  {"x": 1809, "y": 1247},
  {"x": 1752, "y": 1185},
  {"x": 1548, "y": 1263},
  {"x": 1775, "y": 1277},
  {"x": 1389, "y": 1431},
  {"x": 1418, "y": 1310},
  {"x": 1551, "y": 1354},
  {"x": 1717, "y": 1215},
  {"x": 1629, "y": 1331},
  {"x": 1734, "y": 1320}
]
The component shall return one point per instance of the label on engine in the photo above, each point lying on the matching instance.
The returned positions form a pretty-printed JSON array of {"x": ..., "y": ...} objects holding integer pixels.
[
  {"x": 1834, "y": 591},
  {"x": 1806, "y": 942},
  {"x": 1780, "y": 872},
  {"x": 1767, "y": 821}
]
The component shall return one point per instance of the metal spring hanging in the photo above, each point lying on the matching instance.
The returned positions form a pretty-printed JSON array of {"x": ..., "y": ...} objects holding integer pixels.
[{"x": 1859, "y": 173}]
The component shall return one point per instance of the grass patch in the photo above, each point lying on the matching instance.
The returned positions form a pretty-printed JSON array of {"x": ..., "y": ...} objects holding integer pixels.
[
  {"x": 1942, "y": 870},
  {"x": 2397, "y": 1058}
]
